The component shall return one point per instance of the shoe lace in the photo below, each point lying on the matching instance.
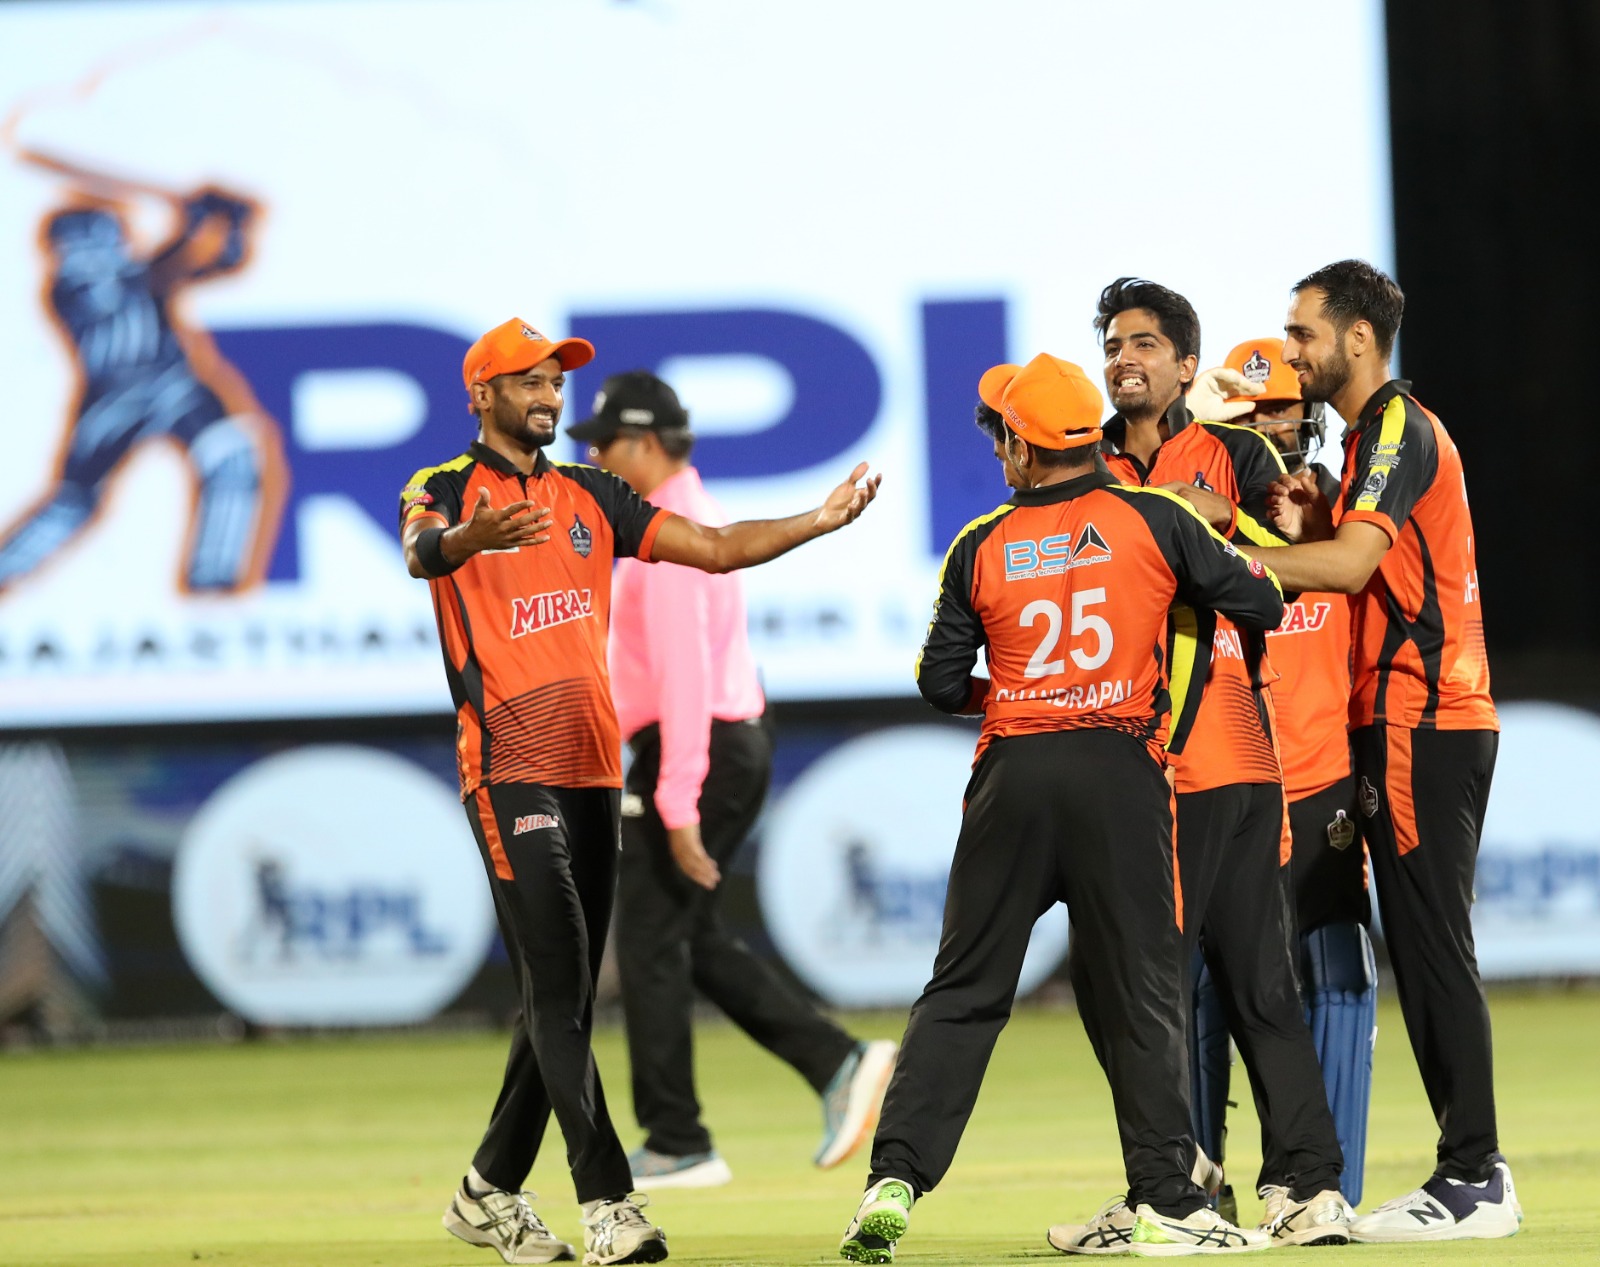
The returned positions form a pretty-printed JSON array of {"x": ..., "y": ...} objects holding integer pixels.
[
  {"x": 1399, "y": 1203},
  {"x": 1109, "y": 1208},
  {"x": 512, "y": 1211},
  {"x": 611, "y": 1217}
]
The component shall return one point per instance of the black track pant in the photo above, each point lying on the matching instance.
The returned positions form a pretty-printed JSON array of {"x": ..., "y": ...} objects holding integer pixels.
[
  {"x": 1081, "y": 816},
  {"x": 551, "y": 853},
  {"x": 1423, "y": 794},
  {"x": 671, "y": 941},
  {"x": 1329, "y": 871},
  {"x": 1236, "y": 904}
]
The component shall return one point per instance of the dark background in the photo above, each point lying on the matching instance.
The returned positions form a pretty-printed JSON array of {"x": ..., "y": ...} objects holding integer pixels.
[{"x": 1495, "y": 128}]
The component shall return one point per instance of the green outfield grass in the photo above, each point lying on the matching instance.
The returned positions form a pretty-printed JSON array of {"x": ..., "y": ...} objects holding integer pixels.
[{"x": 343, "y": 1152}]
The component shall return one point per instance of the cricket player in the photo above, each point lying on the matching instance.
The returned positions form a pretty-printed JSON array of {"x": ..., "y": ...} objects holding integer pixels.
[
  {"x": 1231, "y": 815},
  {"x": 1424, "y": 730},
  {"x": 1067, "y": 588},
  {"x": 518, "y": 552}
]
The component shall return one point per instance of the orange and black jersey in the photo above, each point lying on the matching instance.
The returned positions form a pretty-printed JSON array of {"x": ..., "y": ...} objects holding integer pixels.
[
  {"x": 1067, "y": 590},
  {"x": 1232, "y": 739},
  {"x": 1310, "y": 651},
  {"x": 1419, "y": 653},
  {"x": 524, "y": 630}
]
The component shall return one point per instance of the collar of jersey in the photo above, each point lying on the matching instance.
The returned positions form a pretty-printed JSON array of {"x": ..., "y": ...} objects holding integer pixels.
[
  {"x": 486, "y": 456},
  {"x": 1374, "y": 407},
  {"x": 1064, "y": 491},
  {"x": 1116, "y": 427}
]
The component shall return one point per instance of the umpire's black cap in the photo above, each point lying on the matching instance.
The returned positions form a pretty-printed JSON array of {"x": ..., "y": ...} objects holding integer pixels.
[{"x": 634, "y": 399}]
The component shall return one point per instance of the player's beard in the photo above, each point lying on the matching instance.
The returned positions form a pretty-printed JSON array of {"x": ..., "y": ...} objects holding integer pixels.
[
  {"x": 1327, "y": 380},
  {"x": 520, "y": 426}
]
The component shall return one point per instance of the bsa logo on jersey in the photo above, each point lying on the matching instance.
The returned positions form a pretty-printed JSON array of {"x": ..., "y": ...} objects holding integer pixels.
[
  {"x": 534, "y": 822},
  {"x": 1051, "y": 556},
  {"x": 1369, "y": 798},
  {"x": 1257, "y": 369},
  {"x": 582, "y": 538},
  {"x": 1341, "y": 831}
]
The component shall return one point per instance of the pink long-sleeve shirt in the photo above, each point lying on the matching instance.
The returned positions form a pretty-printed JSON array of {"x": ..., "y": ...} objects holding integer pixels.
[{"x": 680, "y": 655}]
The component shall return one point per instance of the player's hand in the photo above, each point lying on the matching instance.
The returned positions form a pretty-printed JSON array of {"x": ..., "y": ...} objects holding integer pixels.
[
  {"x": 848, "y": 500},
  {"x": 1214, "y": 507},
  {"x": 690, "y": 854},
  {"x": 1205, "y": 399},
  {"x": 501, "y": 528},
  {"x": 1298, "y": 509}
]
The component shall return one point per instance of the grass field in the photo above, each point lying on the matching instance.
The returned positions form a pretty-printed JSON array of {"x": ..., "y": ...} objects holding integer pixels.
[{"x": 342, "y": 1152}]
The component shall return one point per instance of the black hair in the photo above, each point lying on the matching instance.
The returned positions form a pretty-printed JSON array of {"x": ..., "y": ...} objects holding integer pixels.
[
  {"x": 1353, "y": 290},
  {"x": 994, "y": 426},
  {"x": 1179, "y": 321},
  {"x": 676, "y": 442}
]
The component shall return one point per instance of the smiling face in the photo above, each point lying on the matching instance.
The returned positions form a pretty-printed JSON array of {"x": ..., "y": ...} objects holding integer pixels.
[
  {"x": 1314, "y": 348},
  {"x": 1143, "y": 371},
  {"x": 523, "y": 408}
]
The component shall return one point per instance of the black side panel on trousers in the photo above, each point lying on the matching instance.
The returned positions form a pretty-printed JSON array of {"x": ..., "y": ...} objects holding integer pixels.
[
  {"x": 553, "y": 917},
  {"x": 1329, "y": 866},
  {"x": 1425, "y": 898},
  {"x": 1084, "y": 817},
  {"x": 1231, "y": 836},
  {"x": 671, "y": 941}
]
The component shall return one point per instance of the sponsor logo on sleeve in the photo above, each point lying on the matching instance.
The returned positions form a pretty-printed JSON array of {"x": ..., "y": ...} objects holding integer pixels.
[{"x": 1257, "y": 568}]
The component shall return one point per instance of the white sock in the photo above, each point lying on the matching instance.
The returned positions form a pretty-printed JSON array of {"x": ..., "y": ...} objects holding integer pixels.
[{"x": 477, "y": 1185}]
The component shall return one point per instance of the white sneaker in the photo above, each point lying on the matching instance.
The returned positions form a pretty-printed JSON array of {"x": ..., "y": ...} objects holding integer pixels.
[
  {"x": 506, "y": 1223},
  {"x": 664, "y": 1170},
  {"x": 1446, "y": 1210},
  {"x": 617, "y": 1232},
  {"x": 1203, "y": 1232},
  {"x": 1276, "y": 1197},
  {"x": 851, "y": 1102},
  {"x": 1109, "y": 1232},
  {"x": 1323, "y": 1220}
]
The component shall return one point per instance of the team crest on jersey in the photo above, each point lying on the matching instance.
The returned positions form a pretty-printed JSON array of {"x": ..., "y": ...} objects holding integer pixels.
[
  {"x": 1374, "y": 486},
  {"x": 1341, "y": 831},
  {"x": 1257, "y": 368},
  {"x": 582, "y": 538},
  {"x": 1200, "y": 482},
  {"x": 1369, "y": 798}
]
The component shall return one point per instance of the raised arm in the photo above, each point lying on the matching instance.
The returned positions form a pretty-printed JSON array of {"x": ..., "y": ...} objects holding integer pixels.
[
  {"x": 435, "y": 547},
  {"x": 754, "y": 541}
]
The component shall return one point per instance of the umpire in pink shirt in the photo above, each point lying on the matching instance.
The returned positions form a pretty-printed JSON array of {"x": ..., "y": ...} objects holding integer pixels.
[{"x": 690, "y": 704}]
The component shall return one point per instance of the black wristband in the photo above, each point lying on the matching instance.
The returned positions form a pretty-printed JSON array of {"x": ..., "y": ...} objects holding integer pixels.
[{"x": 431, "y": 554}]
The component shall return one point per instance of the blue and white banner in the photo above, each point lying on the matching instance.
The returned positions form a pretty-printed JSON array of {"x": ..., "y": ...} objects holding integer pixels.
[{"x": 243, "y": 248}]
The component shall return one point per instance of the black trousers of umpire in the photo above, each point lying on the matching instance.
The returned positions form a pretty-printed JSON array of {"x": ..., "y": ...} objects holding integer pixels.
[
  {"x": 1237, "y": 907},
  {"x": 551, "y": 853},
  {"x": 1423, "y": 795},
  {"x": 1081, "y": 816},
  {"x": 671, "y": 941}
]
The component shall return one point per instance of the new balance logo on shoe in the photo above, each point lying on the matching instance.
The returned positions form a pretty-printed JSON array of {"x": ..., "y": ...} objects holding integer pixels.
[{"x": 1429, "y": 1213}]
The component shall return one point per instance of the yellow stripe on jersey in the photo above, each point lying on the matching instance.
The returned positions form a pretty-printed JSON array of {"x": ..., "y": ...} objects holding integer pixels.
[
  {"x": 1385, "y": 454},
  {"x": 1250, "y": 530},
  {"x": 1180, "y": 667},
  {"x": 1277, "y": 458},
  {"x": 415, "y": 483},
  {"x": 1216, "y": 536},
  {"x": 1005, "y": 509}
]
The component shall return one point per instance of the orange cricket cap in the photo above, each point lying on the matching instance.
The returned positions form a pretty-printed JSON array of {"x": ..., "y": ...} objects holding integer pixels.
[
  {"x": 514, "y": 346},
  {"x": 1261, "y": 361},
  {"x": 1048, "y": 402}
]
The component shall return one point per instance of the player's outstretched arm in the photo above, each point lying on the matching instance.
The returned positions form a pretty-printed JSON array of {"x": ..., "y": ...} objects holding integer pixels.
[
  {"x": 753, "y": 541},
  {"x": 433, "y": 549},
  {"x": 1343, "y": 565}
]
